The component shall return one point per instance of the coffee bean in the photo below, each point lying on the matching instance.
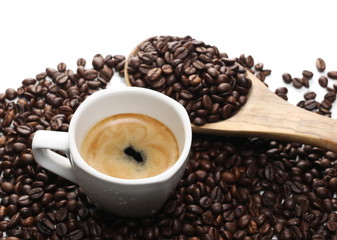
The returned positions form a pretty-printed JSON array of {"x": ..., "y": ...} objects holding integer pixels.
[
  {"x": 61, "y": 78},
  {"x": 323, "y": 81},
  {"x": 333, "y": 184},
  {"x": 188, "y": 229},
  {"x": 36, "y": 193},
  {"x": 308, "y": 74},
  {"x": 181, "y": 52},
  {"x": 320, "y": 65},
  {"x": 11, "y": 94},
  {"x": 332, "y": 75},
  {"x": 309, "y": 95},
  {"x": 24, "y": 130},
  {"x": 90, "y": 74},
  {"x": 186, "y": 94},
  {"x": 24, "y": 201},
  {"x": 7, "y": 187},
  {"x": 61, "y": 67},
  {"x": 216, "y": 194},
  {"x": 154, "y": 74},
  {"x": 207, "y": 102},
  {"x": 287, "y": 78},
  {"x": 45, "y": 226},
  {"x": 330, "y": 96},
  {"x": 228, "y": 177},
  {"x": 223, "y": 87},
  {"x": 310, "y": 104},
  {"x": 205, "y": 202},
  {"x": 198, "y": 64},
  {"x": 244, "y": 221},
  {"x": 194, "y": 209},
  {"x": 61, "y": 229},
  {"x": 297, "y": 82},
  {"x": 98, "y": 62},
  {"x": 207, "y": 218},
  {"x": 81, "y": 62},
  {"x": 323, "y": 192},
  {"x": 13, "y": 222},
  {"x": 332, "y": 226}
]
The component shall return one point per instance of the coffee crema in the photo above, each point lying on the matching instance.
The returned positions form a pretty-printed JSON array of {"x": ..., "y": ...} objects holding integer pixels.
[{"x": 130, "y": 146}]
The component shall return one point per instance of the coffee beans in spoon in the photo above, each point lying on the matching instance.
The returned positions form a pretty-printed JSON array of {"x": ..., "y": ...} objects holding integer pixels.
[{"x": 211, "y": 86}]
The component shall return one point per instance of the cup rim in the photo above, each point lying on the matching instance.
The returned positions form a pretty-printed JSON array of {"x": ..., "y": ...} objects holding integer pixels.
[{"x": 167, "y": 174}]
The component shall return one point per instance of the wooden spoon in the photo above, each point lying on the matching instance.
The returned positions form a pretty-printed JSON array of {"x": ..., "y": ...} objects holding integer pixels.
[{"x": 265, "y": 115}]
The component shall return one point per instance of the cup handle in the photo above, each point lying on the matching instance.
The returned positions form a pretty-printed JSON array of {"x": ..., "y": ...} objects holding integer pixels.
[{"x": 42, "y": 144}]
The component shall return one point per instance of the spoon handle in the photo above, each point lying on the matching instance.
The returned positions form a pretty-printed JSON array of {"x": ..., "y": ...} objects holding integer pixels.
[{"x": 266, "y": 115}]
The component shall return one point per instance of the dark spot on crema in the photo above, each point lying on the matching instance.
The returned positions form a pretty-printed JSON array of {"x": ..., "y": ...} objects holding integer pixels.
[{"x": 134, "y": 154}]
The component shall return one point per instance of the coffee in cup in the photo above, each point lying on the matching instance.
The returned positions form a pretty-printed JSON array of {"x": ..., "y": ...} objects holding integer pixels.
[{"x": 130, "y": 146}]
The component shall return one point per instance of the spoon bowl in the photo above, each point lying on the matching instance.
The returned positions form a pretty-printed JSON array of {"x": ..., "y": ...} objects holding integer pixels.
[{"x": 265, "y": 115}]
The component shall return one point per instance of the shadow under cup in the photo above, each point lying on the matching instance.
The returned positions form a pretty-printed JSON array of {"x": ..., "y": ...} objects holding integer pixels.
[{"x": 129, "y": 197}]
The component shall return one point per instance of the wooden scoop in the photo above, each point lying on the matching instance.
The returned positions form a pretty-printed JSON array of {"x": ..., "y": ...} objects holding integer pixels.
[{"x": 265, "y": 115}]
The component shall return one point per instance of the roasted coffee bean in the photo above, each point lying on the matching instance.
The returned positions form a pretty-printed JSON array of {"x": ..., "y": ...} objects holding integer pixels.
[
  {"x": 11, "y": 93},
  {"x": 205, "y": 202},
  {"x": 307, "y": 74},
  {"x": 309, "y": 95},
  {"x": 198, "y": 121},
  {"x": 98, "y": 62},
  {"x": 194, "y": 209},
  {"x": 323, "y": 192},
  {"x": 61, "y": 67},
  {"x": 207, "y": 102},
  {"x": 36, "y": 193},
  {"x": 323, "y": 81},
  {"x": 61, "y": 229},
  {"x": 81, "y": 62},
  {"x": 244, "y": 221},
  {"x": 7, "y": 187},
  {"x": 154, "y": 74},
  {"x": 223, "y": 87},
  {"x": 332, "y": 75},
  {"x": 13, "y": 222},
  {"x": 310, "y": 104},
  {"x": 287, "y": 78},
  {"x": 188, "y": 229},
  {"x": 24, "y": 201},
  {"x": 320, "y": 65},
  {"x": 45, "y": 226},
  {"x": 76, "y": 235},
  {"x": 258, "y": 66},
  {"x": 281, "y": 90},
  {"x": 297, "y": 82},
  {"x": 207, "y": 217},
  {"x": 330, "y": 96},
  {"x": 333, "y": 184}
]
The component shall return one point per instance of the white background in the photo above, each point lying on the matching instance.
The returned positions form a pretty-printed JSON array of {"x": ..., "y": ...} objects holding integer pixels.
[{"x": 287, "y": 36}]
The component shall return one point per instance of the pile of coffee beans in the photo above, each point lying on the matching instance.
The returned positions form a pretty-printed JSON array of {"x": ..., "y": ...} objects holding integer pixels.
[
  {"x": 36, "y": 204},
  {"x": 232, "y": 189},
  {"x": 207, "y": 83}
]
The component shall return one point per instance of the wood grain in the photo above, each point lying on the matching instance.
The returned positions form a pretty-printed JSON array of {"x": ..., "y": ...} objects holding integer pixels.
[{"x": 266, "y": 115}]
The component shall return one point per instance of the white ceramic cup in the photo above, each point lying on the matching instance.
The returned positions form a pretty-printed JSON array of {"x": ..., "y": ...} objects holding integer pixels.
[{"x": 124, "y": 197}]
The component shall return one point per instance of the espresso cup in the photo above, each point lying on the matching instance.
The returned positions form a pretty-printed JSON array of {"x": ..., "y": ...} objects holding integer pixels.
[{"x": 124, "y": 197}]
